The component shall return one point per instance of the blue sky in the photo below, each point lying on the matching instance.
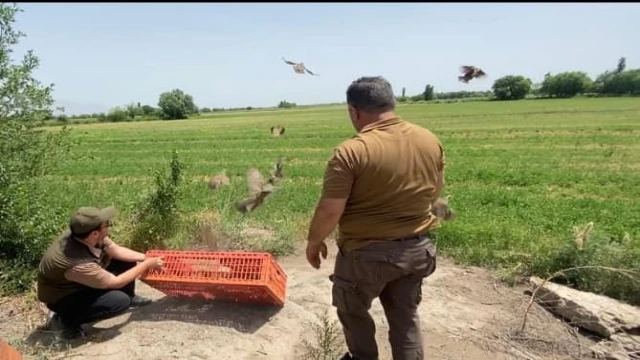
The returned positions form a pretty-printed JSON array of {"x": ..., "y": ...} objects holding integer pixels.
[{"x": 229, "y": 55}]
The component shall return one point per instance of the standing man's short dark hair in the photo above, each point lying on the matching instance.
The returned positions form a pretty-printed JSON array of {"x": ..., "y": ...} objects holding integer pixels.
[
  {"x": 371, "y": 94},
  {"x": 379, "y": 186}
]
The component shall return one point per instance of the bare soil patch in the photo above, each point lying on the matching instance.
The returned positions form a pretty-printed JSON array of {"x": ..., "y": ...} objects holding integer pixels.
[{"x": 466, "y": 314}]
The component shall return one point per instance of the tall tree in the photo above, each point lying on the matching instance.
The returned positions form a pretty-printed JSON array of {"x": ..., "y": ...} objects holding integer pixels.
[
  {"x": 428, "y": 93},
  {"x": 176, "y": 104},
  {"x": 511, "y": 87},
  {"x": 622, "y": 64}
]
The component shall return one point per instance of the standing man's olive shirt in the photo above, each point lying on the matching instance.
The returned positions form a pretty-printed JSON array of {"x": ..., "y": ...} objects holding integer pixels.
[{"x": 391, "y": 172}]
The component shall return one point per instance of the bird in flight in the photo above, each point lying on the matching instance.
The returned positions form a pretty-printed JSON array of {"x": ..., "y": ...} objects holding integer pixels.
[
  {"x": 470, "y": 72},
  {"x": 299, "y": 68},
  {"x": 258, "y": 189}
]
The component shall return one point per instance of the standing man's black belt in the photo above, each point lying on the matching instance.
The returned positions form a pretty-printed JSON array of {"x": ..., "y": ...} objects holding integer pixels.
[{"x": 415, "y": 237}]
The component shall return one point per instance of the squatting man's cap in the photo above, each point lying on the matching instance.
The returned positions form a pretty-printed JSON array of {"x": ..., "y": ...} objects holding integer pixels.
[{"x": 86, "y": 219}]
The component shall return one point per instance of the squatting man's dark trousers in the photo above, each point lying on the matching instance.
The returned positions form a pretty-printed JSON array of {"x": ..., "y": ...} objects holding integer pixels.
[
  {"x": 392, "y": 271},
  {"x": 90, "y": 305}
]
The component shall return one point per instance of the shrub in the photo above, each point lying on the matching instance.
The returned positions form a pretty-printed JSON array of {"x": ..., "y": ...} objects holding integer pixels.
[
  {"x": 27, "y": 221},
  {"x": 157, "y": 216}
]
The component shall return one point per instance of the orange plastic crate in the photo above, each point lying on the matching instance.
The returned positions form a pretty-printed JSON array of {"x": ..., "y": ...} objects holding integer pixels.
[
  {"x": 237, "y": 276},
  {"x": 8, "y": 352}
]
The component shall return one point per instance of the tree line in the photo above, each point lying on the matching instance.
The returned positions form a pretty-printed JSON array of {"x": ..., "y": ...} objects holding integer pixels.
[
  {"x": 176, "y": 104},
  {"x": 619, "y": 81},
  {"x": 172, "y": 105}
]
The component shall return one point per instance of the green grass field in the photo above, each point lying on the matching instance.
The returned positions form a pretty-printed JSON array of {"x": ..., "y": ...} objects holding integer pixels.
[{"x": 521, "y": 175}]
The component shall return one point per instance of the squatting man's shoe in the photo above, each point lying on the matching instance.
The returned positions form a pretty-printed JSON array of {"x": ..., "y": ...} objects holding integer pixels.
[
  {"x": 55, "y": 323},
  {"x": 137, "y": 301}
]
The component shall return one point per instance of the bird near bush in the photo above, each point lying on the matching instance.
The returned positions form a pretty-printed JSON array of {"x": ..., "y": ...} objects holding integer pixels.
[
  {"x": 218, "y": 181},
  {"x": 258, "y": 189}
]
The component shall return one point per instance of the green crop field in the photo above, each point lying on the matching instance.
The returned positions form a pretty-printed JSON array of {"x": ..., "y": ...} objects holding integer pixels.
[{"x": 520, "y": 174}]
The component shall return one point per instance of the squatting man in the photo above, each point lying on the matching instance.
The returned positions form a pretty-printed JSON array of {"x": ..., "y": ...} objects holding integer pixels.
[{"x": 84, "y": 276}]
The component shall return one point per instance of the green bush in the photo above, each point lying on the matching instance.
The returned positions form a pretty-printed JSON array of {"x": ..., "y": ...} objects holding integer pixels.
[
  {"x": 27, "y": 221},
  {"x": 157, "y": 216},
  {"x": 601, "y": 251}
]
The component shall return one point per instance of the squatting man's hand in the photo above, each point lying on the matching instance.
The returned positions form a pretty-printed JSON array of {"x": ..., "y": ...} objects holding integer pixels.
[
  {"x": 154, "y": 262},
  {"x": 313, "y": 253}
]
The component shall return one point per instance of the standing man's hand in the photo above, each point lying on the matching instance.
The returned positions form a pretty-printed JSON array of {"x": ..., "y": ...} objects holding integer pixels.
[{"x": 314, "y": 251}]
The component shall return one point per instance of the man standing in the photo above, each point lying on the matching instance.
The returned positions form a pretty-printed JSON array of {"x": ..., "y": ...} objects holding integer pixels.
[
  {"x": 379, "y": 186},
  {"x": 84, "y": 276}
]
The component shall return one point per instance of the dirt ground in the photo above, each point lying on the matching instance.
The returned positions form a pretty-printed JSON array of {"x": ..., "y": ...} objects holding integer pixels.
[{"x": 466, "y": 314}]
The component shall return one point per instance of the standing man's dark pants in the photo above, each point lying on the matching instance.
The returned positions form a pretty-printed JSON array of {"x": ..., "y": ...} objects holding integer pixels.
[
  {"x": 90, "y": 305},
  {"x": 392, "y": 271}
]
